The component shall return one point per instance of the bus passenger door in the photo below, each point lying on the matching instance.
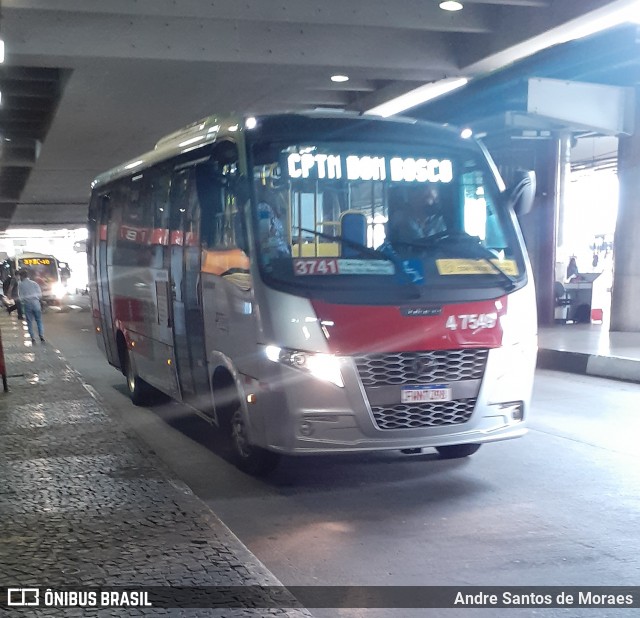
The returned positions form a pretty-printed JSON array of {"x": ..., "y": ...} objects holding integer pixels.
[
  {"x": 185, "y": 281},
  {"x": 227, "y": 289},
  {"x": 102, "y": 279}
]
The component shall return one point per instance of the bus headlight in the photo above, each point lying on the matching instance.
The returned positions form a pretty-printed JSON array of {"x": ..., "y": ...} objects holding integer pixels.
[
  {"x": 322, "y": 366},
  {"x": 58, "y": 290}
]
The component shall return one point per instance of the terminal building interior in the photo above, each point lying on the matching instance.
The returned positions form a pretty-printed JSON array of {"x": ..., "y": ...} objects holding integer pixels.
[
  {"x": 546, "y": 85},
  {"x": 276, "y": 406}
]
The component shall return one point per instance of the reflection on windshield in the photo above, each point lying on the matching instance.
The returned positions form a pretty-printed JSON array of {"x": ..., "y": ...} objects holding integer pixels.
[{"x": 331, "y": 215}]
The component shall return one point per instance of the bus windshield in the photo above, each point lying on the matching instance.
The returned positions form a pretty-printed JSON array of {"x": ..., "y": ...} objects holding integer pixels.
[{"x": 354, "y": 217}]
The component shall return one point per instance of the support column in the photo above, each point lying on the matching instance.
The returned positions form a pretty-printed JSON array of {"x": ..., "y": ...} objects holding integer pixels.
[
  {"x": 564, "y": 177},
  {"x": 625, "y": 293},
  {"x": 540, "y": 226}
]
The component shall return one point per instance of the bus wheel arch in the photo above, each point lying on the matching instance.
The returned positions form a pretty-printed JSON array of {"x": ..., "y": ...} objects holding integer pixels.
[
  {"x": 233, "y": 423},
  {"x": 226, "y": 396},
  {"x": 140, "y": 392}
]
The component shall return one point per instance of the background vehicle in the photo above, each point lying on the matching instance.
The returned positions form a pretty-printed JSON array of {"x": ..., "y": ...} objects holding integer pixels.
[
  {"x": 44, "y": 269},
  {"x": 251, "y": 269}
]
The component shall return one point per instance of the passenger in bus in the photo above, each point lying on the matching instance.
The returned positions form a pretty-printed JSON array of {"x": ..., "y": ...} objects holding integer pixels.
[
  {"x": 29, "y": 293},
  {"x": 273, "y": 240}
]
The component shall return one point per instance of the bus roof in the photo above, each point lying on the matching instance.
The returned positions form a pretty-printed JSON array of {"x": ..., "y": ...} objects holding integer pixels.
[
  {"x": 213, "y": 128},
  {"x": 188, "y": 138},
  {"x": 33, "y": 254}
]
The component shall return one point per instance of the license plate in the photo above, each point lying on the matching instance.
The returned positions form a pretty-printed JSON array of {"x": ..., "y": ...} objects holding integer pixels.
[{"x": 422, "y": 394}]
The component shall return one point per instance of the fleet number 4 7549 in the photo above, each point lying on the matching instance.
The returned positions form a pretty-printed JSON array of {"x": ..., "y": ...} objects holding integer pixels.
[{"x": 471, "y": 321}]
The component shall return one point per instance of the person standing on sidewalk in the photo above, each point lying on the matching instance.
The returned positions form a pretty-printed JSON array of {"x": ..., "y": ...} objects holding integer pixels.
[
  {"x": 13, "y": 294},
  {"x": 29, "y": 293}
]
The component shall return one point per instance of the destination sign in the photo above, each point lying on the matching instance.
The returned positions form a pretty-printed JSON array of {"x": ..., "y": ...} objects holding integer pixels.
[
  {"x": 35, "y": 261},
  {"x": 355, "y": 167}
]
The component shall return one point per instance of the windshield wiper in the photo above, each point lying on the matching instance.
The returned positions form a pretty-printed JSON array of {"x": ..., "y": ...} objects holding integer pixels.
[
  {"x": 509, "y": 282},
  {"x": 479, "y": 251}
]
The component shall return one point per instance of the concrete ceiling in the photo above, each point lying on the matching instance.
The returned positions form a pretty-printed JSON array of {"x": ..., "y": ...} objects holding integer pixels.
[{"x": 88, "y": 84}]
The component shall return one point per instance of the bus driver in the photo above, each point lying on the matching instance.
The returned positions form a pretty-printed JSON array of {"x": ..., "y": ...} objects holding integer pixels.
[{"x": 416, "y": 214}]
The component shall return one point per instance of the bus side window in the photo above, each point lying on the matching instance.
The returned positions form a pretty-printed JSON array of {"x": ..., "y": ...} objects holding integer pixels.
[
  {"x": 118, "y": 197},
  {"x": 218, "y": 181},
  {"x": 210, "y": 196},
  {"x": 157, "y": 202},
  {"x": 135, "y": 241},
  {"x": 182, "y": 211},
  {"x": 92, "y": 228}
]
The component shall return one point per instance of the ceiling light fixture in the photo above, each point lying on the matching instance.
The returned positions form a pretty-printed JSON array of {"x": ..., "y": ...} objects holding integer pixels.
[
  {"x": 339, "y": 78},
  {"x": 416, "y": 97},
  {"x": 451, "y": 5}
]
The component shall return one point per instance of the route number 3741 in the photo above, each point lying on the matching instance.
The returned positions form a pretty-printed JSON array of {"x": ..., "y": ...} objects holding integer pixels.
[{"x": 316, "y": 267}]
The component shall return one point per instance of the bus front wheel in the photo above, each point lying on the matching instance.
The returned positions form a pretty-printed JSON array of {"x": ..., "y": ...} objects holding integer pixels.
[
  {"x": 456, "y": 451},
  {"x": 246, "y": 456}
]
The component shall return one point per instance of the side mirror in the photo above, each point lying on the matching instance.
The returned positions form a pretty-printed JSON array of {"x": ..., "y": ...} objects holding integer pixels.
[{"x": 523, "y": 192}]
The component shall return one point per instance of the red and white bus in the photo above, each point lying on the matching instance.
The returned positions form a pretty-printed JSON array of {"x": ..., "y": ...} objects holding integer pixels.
[{"x": 278, "y": 275}]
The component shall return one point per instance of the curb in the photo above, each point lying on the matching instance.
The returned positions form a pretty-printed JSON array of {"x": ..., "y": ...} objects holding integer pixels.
[{"x": 614, "y": 368}]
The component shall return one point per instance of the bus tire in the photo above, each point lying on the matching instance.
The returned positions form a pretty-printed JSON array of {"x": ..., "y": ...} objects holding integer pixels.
[
  {"x": 140, "y": 392},
  {"x": 457, "y": 451},
  {"x": 231, "y": 424},
  {"x": 246, "y": 456}
]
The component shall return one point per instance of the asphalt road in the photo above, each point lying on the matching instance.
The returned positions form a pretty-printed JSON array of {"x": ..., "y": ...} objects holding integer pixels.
[{"x": 560, "y": 506}]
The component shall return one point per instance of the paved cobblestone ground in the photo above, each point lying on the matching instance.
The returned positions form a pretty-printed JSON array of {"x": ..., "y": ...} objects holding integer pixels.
[{"x": 81, "y": 504}]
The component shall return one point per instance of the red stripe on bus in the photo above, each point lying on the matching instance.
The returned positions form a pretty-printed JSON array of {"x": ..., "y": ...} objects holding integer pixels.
[
  {"x": 160, "y": 236},
  {"x": 136, "y": 235},
  {"x": 357, "y": 329},
  {"x": 176, "y": 237}
]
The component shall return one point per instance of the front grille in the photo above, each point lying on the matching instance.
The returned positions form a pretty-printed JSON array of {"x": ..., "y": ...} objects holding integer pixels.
[
  {"x": 414, "y": 416},
  {"x": 421, "y": 367}
]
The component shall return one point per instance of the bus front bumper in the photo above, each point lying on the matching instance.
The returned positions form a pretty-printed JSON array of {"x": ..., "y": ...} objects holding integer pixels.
[
  {"x": 321, "y": 433},
  {"x": 306, "y": 415}
]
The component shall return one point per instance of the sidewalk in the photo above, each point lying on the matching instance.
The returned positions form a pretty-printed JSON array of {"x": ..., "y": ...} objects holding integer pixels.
[
  {"x": 82, "y": 504},
  {"x": 590, "y": 349}
]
